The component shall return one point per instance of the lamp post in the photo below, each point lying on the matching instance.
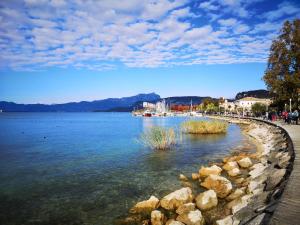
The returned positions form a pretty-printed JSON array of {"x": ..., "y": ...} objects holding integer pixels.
[{"x": 290, "y": 105}]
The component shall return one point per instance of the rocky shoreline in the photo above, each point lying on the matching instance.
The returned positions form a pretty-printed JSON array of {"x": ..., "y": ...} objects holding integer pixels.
[{"x": 243, "y": 189}]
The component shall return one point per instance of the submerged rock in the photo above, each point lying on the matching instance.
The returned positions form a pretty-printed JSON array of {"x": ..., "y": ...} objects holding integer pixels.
[
  {"x": 157, "y": 218},
  {"x": 195, "y": 176},
  {"x": 183, "y": 178},
  {"x": 220, "y": 185},
  {"x": 185, "y": 208},
  {"x": 245, "y": 162},
  {"x": 206, "y": 171},
  {"x": 207, "y": 200},
  {"x": 177, "y": 198},
  {"x": 230, "y": 165},
  {"x": 146, "y": 206},
  {"x": 191, "y": 218}
]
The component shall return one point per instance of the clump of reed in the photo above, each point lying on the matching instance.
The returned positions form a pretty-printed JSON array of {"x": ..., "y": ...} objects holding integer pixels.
[
  {"x": 159, "y": 138},
  {"x": 204, "y": 127}
]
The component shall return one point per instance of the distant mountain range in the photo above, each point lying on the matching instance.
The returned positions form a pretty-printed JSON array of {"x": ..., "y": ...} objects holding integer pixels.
[
  {"x": 255, "y": 93},
  {"x": 126, "y": 104}
]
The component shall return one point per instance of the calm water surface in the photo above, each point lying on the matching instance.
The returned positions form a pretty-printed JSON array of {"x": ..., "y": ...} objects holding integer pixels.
[{"x": 89, "y": 168}]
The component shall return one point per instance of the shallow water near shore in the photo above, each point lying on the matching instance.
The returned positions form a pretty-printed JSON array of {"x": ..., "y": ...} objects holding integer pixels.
[{"x": 89, "y": 168}]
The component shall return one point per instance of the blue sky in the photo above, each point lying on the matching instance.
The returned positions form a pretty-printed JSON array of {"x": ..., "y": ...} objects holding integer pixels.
[{"x": 54, "y": 51}]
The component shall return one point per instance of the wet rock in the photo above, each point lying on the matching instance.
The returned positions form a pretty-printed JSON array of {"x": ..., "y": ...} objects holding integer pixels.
[
  {"x": 173, "y": 222},
  {"x": 237, "y": 193},
  {"x": 177, "y": 198},
  {"x": 195, "y": 176},
  {"x": 230, "y": 165},
  {"x": 191, "y": 218},
  {"x": 186, "y": 184},
  {"x": 207, "y": 200},
  {"x": 220, "y": 185},
  {"x": 157, "y": 218},
  {"x": 185, "y": 208},
  {"x": 226, "y": 221},
  {"x": 206, "y": 171},
  {"x": 146, "y": 206},
  {"x": 234, "y": 172},
  {"x": 245, "y": 162},
  {"x": 183, "y": 178},
  {"x": 274, "y": 179},
  {"x": 257, "y": 220}
]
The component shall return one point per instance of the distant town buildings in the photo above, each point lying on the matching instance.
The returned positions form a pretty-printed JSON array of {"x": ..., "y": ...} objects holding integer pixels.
[{"x": 247, "y": 102}]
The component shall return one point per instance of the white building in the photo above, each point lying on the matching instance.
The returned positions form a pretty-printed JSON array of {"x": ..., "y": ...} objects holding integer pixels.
[
  {"x": 148, "y": 105},
  {"x": 247, "y": 102}
]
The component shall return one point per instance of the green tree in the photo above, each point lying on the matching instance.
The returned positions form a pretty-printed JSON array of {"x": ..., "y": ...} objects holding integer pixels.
[
  {"x": 282, "y": 75},
  {"x": 258, "y": 109}
]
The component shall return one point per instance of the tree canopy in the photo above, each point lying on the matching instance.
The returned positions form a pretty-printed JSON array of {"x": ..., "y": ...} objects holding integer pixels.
[{"x": 282, "y": 75}]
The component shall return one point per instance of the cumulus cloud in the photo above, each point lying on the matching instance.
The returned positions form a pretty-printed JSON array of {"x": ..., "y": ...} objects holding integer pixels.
[{"x": 99, "y": 35}]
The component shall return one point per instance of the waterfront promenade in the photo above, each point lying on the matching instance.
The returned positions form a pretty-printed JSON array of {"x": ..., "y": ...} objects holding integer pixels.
[{"x": 288, "y": 209}]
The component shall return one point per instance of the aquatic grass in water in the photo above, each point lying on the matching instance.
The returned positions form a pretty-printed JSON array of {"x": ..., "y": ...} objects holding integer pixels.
[
  {"x": 159, "y": 138},
  {"x": 204, "y": 127}
]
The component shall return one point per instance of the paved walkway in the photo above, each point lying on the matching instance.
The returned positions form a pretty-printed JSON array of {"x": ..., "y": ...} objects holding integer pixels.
[{"x": 288, "y": 210}]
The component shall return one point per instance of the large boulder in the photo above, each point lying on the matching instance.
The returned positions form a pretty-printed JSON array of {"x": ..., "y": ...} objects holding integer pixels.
[
  {"x": 225, "y": 221},
  {"x": 146, "y": 206},
  {"x": 206, "y": 171},
  {"x": 220, "y": 185},
  {"x": 191, "y": 218},
  {"x": 230, "y": 165},
  {"x": 245, "y": 162},
  {"x": 239, "y": 203},
  {"x": 177, "y": 198},
  {"x": 207, "y": 200},
  {"x": 275, "y": 178},
  {"x": 257, "y": 170},
  {"x": 157, "y": 218},
  {"x": 185, "y": 208}
]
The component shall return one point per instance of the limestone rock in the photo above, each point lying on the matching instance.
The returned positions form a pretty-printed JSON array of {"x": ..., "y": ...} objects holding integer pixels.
[
  {"x": 157, "y": 218},
  {"x": 183, "y": 178},
  {"x": 206, "y": 171},
  {"x": 220, "y": 185},
  {"x": 237, "y": 193},
  {"x": 173, "y": 222},
  {"x": 195, "y": 176},
  {"x": 239, "y": 203},
  {"x": 234, "y": 172},
  {"x": 257, "y": 170},
  {"x": 230, "y": 165},
  {"x": 146, "y": 206},
  {"x": 191, "y": 218},
  {"x": 207, "y": 200},
  {"x": 177, "y": 198},
  {"x": 275, "y": 178},
  {"x": 284, "y": 160},
  {"x": 185, "y": 208},
  {"x": 245, "y": 162},
  {"x": 226, "y": 221},
  {"x": 239, "y": 180}
]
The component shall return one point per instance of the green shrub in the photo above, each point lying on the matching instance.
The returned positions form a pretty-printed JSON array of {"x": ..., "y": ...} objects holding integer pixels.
[
  {"x": 159, "y": 138},
  {"x": 204, "y": 127}
]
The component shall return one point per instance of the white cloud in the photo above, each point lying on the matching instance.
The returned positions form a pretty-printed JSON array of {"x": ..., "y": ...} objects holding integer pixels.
[
  {"x": 228, "y": 22},
  {"x": 285, "y": 8}
]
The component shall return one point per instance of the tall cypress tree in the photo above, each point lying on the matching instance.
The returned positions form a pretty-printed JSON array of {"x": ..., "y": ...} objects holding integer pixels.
[{"x": 282, "y": 75}]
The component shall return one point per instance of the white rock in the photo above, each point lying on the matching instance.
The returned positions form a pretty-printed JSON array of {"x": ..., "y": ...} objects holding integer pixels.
[
  {"x": 185, "y": 208},
  {"x": 234, "y": 172},
  {"x": 230, "y": 165},
  {"x": 157, "y": 217},
  {"x": 245, "y": 162},
  {"x": 243, "y": 202},
  {"x": 206, "y": 171},
  {"x": 226, "y": 221},
  {"x": 191, "y": 218},
  {"x": 257, "y": 170},
  {"x": 147, "y": 205},
  {"x": 177, "y": 198},
  {"x": 207, "y": 200},
  {"x": 220, "y": 185}
]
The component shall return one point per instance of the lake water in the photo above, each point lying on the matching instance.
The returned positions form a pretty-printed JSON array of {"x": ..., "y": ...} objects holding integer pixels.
[{"x": 90, "y": 168}]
